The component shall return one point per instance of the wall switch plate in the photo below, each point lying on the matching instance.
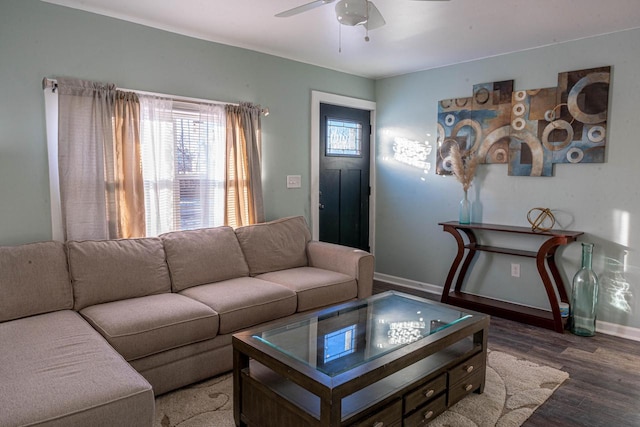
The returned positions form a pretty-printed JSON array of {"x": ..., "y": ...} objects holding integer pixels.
[
  {"x": 294, "y": 181},
  {"x": 515, "y": 270}
]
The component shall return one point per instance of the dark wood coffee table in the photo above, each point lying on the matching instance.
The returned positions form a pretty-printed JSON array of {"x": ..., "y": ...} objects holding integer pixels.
[{"x": 388, "y": 360}]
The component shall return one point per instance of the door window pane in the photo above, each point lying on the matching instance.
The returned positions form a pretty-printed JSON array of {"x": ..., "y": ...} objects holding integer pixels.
[{"x": 344, "y": 138}]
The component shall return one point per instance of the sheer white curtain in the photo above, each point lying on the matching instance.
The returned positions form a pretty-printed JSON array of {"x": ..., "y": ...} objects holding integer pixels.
[
  {"x": 157, "y": 149},
  {"x": 212, "y": 124},
  {"x": 183, "y": 156}
]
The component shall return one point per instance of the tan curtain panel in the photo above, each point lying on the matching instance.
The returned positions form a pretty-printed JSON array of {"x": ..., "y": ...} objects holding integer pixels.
[
  {"x": 96, "y": 148},
  {"x": 244, "y": 203},
  {"x": 129, "y": 186},
  {"x": 84, "y": 128}
]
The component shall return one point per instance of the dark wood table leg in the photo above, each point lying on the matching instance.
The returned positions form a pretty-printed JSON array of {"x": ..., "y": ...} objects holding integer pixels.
[
  {"x": 482, "y": 338},
  {"x": 457, "y": 260},
  {"x": 330, "y": 414},
  {"x": 467, "y": 259},
  {"x": 240, "y": 362},
  {"x": 562, "y": 291},
  {"x": 546, "y": 258}
]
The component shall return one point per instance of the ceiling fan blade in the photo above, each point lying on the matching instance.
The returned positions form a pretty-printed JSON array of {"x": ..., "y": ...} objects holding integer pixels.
[
  {"x": 430, "y": 0},
  {"x": 303, "y": 8},
  {"x": 375, "y": 18}
]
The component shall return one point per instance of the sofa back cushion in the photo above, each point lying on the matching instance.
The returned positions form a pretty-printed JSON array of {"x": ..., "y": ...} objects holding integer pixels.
[
  {"x": 111, "y": 270},
  {"x": 207, "y": 255},
  {"x": 275, "y": 245},
  {"x": 33, "y": 280}
]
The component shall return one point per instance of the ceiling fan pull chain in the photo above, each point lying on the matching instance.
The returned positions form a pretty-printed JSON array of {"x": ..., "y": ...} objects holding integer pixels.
[
  {"x": 366, "y": 25},
  {"x": 339, "y": 37}
]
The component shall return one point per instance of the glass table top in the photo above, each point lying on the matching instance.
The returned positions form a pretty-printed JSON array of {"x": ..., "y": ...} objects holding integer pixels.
[{"x": 338, "y": 340}]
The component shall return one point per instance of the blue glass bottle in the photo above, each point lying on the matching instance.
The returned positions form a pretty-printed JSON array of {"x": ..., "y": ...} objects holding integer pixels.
[{"x": 584, "y": 296}]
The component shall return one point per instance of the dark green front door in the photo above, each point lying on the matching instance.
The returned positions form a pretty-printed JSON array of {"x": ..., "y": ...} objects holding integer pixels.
[{"x": 344, "y": 176}]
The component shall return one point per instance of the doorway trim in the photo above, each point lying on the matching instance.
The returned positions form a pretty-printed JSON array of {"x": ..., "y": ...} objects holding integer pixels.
[{"x": 318, "y": 98}]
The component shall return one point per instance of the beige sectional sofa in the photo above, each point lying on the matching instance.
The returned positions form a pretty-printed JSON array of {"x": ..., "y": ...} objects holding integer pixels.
[{"x": 91, "y": 331}]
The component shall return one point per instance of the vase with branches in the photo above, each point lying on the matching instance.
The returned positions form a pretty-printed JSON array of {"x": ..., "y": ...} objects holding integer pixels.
[{"x": 463, "y": 167}]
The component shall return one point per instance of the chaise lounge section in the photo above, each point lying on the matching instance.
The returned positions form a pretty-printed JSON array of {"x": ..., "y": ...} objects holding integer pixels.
[
  {"x": 56, "y": 370},
  {"x": 96, "y": 329}
]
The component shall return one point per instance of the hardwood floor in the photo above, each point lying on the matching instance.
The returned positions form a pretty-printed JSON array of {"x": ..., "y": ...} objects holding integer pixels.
[{"x": 604, "y": 384}]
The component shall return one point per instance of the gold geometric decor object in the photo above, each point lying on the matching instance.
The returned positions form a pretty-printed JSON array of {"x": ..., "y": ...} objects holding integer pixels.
[{"x": 543, "y": 221}]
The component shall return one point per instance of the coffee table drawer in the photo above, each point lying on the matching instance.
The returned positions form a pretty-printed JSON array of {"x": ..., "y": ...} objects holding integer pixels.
[
  {"x": 425, "y": 393},
  {"x": 389, "y": 416},
  {"x": 460, "y": 389},
  {"x": 476, "y": 363},
  {"x": 427, "y": 413}
]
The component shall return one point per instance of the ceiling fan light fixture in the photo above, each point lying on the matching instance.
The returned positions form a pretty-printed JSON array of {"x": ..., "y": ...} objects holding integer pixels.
[{"x": 352, "y": 12}]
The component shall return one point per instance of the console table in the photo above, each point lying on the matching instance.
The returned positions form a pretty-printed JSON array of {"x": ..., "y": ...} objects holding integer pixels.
[{"x": 545, "y": 262}]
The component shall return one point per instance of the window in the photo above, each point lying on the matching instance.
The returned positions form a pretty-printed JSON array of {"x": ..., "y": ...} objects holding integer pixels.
[
  {"x": 183, "y": 163},
  {"x": 339, "y": 343},
  {"x": 344, "y": 138},
  {"x": 188, "y": 178}
]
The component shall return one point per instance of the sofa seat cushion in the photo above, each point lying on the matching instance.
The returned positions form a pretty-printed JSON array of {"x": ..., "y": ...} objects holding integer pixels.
[
  {"x": 139, "y": 327},
  {"x": 206, "y": 255},
  {"x": 34, "y": 280},
  {"x": 275, "y": 245},
  {"x": 315, "y": 287},
  {"x": 58, "y": 371},
  {"x": 245, "y": 301}
]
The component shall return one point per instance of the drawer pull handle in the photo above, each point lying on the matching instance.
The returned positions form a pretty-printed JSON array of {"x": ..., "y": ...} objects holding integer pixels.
[
  {"x": 429, "y": 393},
  {"x": 469, "y": 368},
  {"x": 378, "y": 424},
  {"x": 428, "y": 415},
  {"x": 468, "y": 387}
]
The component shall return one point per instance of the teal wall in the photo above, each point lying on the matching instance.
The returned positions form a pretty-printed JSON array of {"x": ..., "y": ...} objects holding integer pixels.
[
  {"x": 600, "y": 199},
  {"x": 39, "y": 39}
]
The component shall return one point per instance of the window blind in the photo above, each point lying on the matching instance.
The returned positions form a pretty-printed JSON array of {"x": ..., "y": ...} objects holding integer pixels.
[{"x": 183, "y": 155}]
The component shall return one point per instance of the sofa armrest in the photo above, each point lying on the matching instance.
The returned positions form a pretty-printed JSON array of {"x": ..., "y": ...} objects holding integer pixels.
[{"x": 343, "y": 259}]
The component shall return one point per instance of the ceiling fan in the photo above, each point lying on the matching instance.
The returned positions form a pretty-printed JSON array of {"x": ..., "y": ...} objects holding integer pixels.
[{"x": 348, "y": 12}]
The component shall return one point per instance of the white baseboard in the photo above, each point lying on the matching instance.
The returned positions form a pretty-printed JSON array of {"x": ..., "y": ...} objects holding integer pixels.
[
  {"x": 607, "y": 328},
  {"x": 621, "y": 331},
  {"x": 407, "y": 283}
]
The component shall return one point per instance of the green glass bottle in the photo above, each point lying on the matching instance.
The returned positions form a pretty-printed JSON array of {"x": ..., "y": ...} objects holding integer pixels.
[
  {"x": 584, "y": 296},
  {"x": 465, "y": 210}
]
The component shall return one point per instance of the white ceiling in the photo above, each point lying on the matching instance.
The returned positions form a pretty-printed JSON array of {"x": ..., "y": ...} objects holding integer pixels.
[{"x": 418, "y": 35}]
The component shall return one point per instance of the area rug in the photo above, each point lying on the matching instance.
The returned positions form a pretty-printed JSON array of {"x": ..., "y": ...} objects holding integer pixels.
[{"x": 514, "y": 389}]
